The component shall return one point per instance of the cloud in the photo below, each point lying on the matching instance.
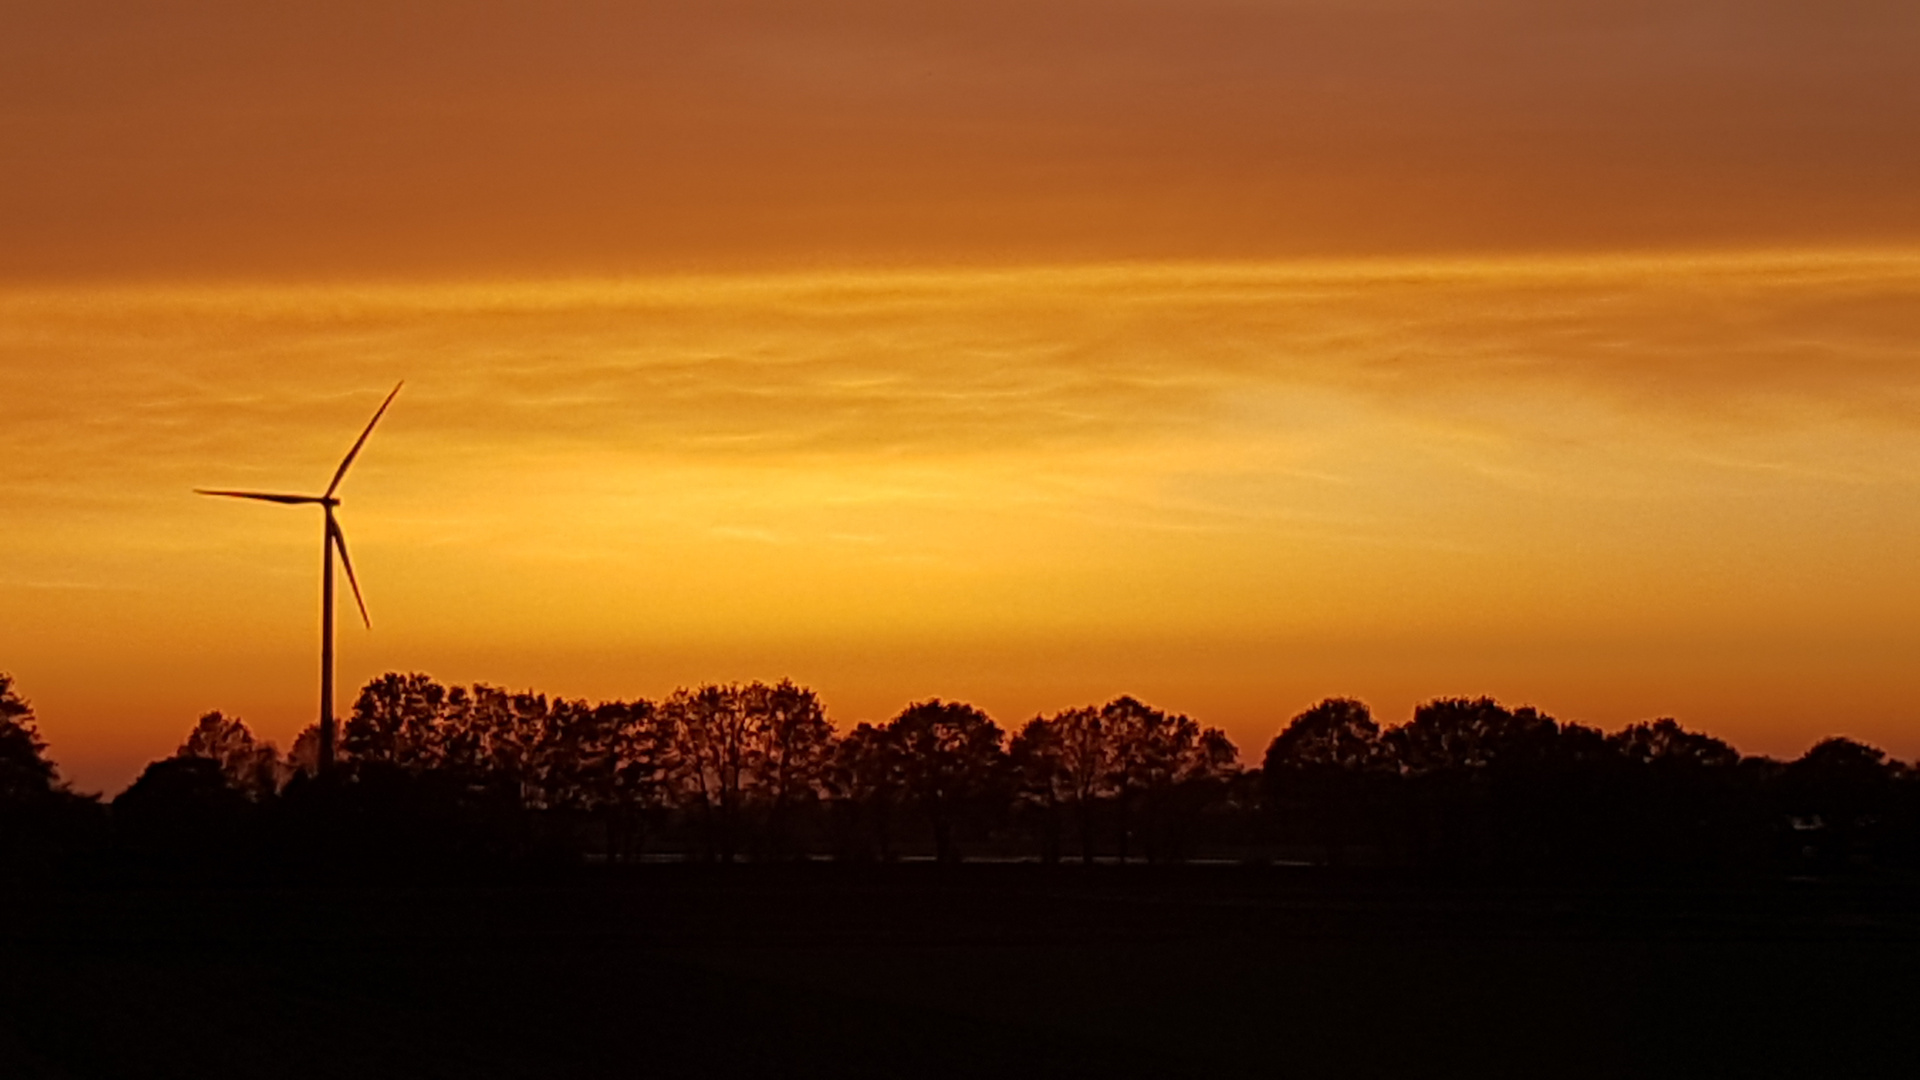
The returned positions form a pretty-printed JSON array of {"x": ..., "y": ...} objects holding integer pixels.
[{"x": 270, "y": 384}]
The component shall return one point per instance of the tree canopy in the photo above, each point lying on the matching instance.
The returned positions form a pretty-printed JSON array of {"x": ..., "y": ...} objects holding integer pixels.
[
  {"x": 26, "y": 773},
  {"x": 724, "y": 772}
]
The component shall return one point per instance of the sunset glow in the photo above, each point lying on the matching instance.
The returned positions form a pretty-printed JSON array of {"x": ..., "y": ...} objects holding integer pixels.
[
  {"x": 1227, "y": 353},
  {"x": 1617, "y": 488}
]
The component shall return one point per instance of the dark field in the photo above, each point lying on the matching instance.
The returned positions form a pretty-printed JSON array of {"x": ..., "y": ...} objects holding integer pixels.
[{"x": 825, "y": 970}]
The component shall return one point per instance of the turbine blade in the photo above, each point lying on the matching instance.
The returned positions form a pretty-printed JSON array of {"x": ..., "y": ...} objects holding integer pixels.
[
  {"x": 341, "y": 472},
  {"x": 263, "y": 496},
  {"x": 340, "y": 541}
]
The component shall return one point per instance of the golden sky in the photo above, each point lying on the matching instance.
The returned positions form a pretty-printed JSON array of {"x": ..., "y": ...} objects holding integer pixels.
[{"x": 1227, "y": 353}]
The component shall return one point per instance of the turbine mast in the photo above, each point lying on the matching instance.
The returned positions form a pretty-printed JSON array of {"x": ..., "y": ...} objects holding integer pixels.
[
  {"x": 326, "y": 646},
  {"x": 330, "y": 538}
]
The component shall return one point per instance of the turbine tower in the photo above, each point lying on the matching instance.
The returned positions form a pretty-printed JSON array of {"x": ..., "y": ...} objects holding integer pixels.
[{"x": 331, "y": 540}]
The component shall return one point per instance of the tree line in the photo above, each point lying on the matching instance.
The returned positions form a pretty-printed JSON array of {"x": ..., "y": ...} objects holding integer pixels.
[
  {"x": 430, "y": 773},
  {"x": 754, "y": 770}
]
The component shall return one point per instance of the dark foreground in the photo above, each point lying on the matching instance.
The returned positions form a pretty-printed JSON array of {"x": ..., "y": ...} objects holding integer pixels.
[{"x": 968, "y": 971}]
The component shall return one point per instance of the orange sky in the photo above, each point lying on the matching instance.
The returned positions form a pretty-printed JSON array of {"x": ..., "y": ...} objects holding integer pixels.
[
  {"x": 1229, "y": 354},
  {"x": 231, "y": 137}
]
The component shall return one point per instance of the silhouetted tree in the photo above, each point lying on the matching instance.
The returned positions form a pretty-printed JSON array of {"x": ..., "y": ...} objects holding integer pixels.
[
  {"x": 1065, "y": 762},
  {"x": 252, "y": 768},
  {"x": 399, "y": 720},
  {"x": 26, "y": 773},
  {"x": 1665, "y": 744},
  {"x": 506, "y": 730},
  {"x": 1840, "y": 793},
  {"x": 184, "y": 813},
  {"x": 707, "y": 756},
  {"x": 731, "y": 751},
  {"x": 1557, "y": 807},
  {"x": 600, "y": 761},
  {"x": 518, "y": 759},
  {"x": 868, "y": 784},
  {"x": 1040, "y": 781},
  {"x": 1336, "y": 734},
  {"x": 1466, "y": 735},
  {"x": 1164, "y": 767},
  {"x": 41, "y": 821},
  {"x": 950, "y": 759},
  {"x": 635, "y": 784},
  {"x": 793, "y": 749},
  {"x": 1682, "y": 799},
  {"x": 303, "y": 757},
  {"x": 1327, "y": 776},
  {"x": 1461, "y": 760},
  {"x": 482, "y": 771}
]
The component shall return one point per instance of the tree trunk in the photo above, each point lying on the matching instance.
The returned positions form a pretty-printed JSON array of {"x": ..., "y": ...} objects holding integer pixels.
[{"x": 943, "y": 841}]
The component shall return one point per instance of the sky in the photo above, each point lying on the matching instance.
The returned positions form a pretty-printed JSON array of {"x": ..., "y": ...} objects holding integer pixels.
[{"x": 1228, "y": 353}]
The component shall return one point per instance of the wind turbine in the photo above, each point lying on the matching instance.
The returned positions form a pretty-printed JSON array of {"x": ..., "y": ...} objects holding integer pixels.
[{"x": 332, "y": 539}]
